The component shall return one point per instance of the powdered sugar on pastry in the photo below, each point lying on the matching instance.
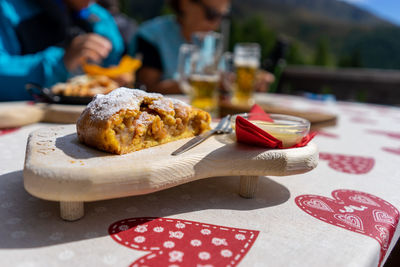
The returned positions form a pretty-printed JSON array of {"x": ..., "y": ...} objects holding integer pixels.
[
  {"x": 163, "y": 105},
  {"x": 178, "y": 102},
  {"x": 128, "y": 120},
  {"x": 103, "y": 107},
  {"x": 143, "y": 119}
]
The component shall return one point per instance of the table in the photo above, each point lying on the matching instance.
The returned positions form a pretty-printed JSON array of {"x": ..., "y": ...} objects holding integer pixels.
[{"x": 290, "y": 222}]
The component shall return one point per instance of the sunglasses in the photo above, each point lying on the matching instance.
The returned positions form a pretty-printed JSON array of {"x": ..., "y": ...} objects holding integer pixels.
[{"x": 211, "y": 14}]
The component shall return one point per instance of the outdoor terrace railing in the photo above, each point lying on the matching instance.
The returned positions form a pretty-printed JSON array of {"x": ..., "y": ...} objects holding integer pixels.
[{"x": 363, "y": 85}]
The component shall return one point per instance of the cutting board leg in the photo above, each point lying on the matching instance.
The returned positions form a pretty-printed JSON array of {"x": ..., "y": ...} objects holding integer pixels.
[
  {"x": 71, "y": 211},
  {"x": 248, "y": 186}
]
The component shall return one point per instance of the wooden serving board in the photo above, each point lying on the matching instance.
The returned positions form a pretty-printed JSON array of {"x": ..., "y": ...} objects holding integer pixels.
[
  {"x": 60, "y": 113},
  {"x": 59, "y": 168},
  {"x": 317, "y": 119},
  {"x": 17, "y": 114}
]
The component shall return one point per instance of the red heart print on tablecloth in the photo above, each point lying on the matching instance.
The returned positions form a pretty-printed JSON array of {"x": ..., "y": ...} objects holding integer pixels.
[
  {"x": 395, "y": 135},
  {"x": 326, "y": 134},
  {"x": 348, "y": 164},
  {"x": 7, "y": 131},
  {"x": 392, "y": 150},
  {"x": 381, "y": 110},
  {"x": 354, "y": 112},
  {"x": 173, "y": 242},
  {"x": 363, "y": 120},
  {"x": 356, "y": 211}
]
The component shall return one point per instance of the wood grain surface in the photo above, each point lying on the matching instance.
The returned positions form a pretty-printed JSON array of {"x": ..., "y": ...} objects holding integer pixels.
[
  {"x": 317, "y": 119},
  {"x": 17, "y": 114},
  {"x": 60, "y": 113},
  {"x": 59, "y": 168}
]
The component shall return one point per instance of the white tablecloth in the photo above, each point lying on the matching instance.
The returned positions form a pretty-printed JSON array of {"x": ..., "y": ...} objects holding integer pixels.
[{"x": 290, "y": 222}]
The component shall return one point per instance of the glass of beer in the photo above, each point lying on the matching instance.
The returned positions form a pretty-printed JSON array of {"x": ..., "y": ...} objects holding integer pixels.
[
  {"x": 246, "y": 64},
  {"x": 198, "y": 70},
  {"x": 204, "y": 91}
]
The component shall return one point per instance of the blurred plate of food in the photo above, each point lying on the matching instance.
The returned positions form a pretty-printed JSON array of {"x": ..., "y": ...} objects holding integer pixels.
[{"x": 78, "y": 90}]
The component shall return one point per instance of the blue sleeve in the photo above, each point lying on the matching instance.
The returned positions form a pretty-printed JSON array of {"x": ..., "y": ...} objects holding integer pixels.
[
  {"x": 106, "y": 26},
  {"x": 44, "y": 68}
]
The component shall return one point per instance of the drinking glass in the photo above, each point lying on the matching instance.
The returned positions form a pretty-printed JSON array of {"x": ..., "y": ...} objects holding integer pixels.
[
  {"x": 246, "y": 64},
  {"x": 198, "y": 70},
  {"x": 210, "y": 48}
]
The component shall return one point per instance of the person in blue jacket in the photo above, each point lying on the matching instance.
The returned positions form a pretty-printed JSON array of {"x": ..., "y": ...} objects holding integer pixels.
[{"x": 45, "y": 41}]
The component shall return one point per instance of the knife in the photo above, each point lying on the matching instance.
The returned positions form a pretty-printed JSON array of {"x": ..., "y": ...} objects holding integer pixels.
[{"x": 224, "y": 122}]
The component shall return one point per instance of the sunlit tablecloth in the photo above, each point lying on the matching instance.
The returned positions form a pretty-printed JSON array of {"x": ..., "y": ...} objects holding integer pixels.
[{"x": 290, "y": 214}]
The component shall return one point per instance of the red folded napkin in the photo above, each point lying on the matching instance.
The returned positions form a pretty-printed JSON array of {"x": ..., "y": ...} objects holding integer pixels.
[
  {"x": 257, "y": 113},
  {"x": 248, "y": 133}
]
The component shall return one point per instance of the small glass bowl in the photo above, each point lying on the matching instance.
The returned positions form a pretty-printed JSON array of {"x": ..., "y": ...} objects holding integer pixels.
[{"x": 289, "y": 129}]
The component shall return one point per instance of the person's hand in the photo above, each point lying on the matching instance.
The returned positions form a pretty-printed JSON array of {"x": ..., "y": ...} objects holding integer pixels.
[
  {"x": 86, "y": 47},
  {"x": 263, "y": 80}
]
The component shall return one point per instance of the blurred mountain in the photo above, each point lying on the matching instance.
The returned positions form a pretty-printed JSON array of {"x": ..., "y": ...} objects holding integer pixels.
[
  {"x": 352, "y": 36},
  {"x": 328, "y": 11},
  {"x": 355, "y": 37}
]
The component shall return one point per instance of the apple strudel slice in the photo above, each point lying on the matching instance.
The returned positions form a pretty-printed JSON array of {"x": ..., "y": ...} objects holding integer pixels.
[{"x": 128, "y": 120}]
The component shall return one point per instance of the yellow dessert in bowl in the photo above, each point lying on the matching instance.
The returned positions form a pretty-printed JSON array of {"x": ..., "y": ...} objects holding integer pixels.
[{"x": 288, "y": 129}]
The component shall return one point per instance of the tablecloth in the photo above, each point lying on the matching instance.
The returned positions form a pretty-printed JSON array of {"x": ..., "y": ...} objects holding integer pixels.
[{"x": 343, "y": 213}]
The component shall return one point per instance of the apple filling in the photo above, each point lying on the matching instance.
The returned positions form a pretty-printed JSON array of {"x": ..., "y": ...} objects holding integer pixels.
[{"x": 153, "y": 123}]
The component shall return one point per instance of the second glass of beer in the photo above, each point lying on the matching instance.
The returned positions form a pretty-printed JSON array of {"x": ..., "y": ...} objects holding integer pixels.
[{"x": 246, "y": 63}]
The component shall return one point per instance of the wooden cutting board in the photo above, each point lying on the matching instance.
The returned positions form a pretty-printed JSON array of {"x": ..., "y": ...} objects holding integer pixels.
[
  {"x": 17, "y": 114},
  {"x": 59, "y": 168},
  {"x": 317, "y": 119},
  {"x": 60, "y": 113}
]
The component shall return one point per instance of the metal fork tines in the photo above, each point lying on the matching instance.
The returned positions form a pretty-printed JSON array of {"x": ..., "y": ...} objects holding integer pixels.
[
  {"x": 224, "y": 126},
  {"x": 228, "y": 127}
]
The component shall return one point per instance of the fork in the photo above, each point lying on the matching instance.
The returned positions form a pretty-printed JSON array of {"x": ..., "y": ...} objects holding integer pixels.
[{"x": 223, "y": 127}]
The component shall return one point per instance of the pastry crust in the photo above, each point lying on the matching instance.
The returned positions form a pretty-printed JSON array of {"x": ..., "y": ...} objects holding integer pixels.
[
  {"x": 128, "y": 120},
  {"x": 85, "y": 86}
]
